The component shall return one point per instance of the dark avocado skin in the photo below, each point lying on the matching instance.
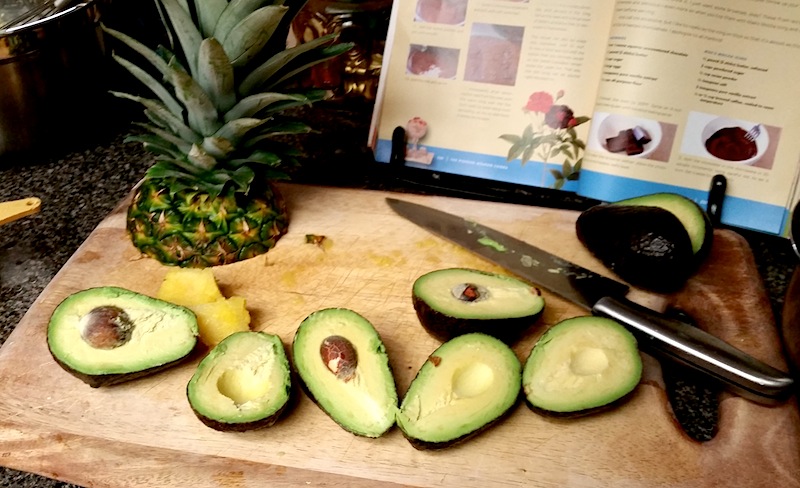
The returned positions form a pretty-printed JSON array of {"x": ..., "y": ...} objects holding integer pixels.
[
  {"x": 646, "y": 246},
  {"x": 581, "y": 413},
  {"x": 669, "y": 201},
  {"x": 101, "y": 380},
  {"x": 421, "y": 445},
  {"x": 444, "y": 327},
  {"x": 245, "y": 426}
]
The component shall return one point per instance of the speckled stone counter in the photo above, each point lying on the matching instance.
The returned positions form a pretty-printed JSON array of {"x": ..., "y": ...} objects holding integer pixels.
[{"x": 80, "y": 185}]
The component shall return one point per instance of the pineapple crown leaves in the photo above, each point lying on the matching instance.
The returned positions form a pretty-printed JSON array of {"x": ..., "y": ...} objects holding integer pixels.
[{"x": 206, "y": 130}]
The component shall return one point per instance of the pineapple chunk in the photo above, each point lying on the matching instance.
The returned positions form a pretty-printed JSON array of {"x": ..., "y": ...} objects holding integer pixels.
[
  {"x": 221, "y": 318},
  {"x": 217, "y": 316},
  {"x": 189, "y": 287}
]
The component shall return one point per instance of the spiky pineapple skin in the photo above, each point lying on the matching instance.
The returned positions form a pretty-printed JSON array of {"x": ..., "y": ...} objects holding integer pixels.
[
  {"x": 222, "y": 91},
  {"x": 190, "y": 228}
]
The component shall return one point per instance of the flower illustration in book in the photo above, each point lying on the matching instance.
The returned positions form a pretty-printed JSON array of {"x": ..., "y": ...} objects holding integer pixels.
[
  {"x": 416, "y": 129},
  {"x": 550, "y": 137}
]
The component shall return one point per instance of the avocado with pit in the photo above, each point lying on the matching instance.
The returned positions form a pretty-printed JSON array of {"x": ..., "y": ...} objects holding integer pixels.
[
  {"x": 345, "y": 370},
  {"x": 655, "y": 241},
  {"x": 454, "y": 301},
  {"x": 580, "y": 366},
  {"x": 244, "y": 383},
  {"x": 465, "y": 386},
  {"x": 108, "y": 335}
]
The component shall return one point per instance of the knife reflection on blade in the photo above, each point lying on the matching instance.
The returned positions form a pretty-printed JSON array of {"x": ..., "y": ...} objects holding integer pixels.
[{"x": 657, "y": 333}]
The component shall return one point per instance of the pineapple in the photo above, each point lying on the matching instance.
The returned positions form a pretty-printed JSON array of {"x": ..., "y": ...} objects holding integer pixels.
[
  {"x": 189, "y": 286},
  {"x": 219, "y": 319},
  {"x": 217, "y": 316},
  {"x": 219, "y": 104}
]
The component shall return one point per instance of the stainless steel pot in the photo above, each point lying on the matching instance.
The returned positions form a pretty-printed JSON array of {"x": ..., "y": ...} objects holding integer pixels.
[{"x": 51, "y": 77}]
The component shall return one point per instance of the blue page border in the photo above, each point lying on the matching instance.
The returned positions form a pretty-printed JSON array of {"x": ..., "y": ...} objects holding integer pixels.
[
  {"x": 736, "y": 212},
  {"x": 533, "y": 173}
]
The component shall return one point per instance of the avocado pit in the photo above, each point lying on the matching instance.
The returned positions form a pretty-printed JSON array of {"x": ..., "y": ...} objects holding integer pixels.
[
  {"x": 106, "y": 327},
  {"x": 339, "y": 356},
  {"x": 470, "y": 292}
]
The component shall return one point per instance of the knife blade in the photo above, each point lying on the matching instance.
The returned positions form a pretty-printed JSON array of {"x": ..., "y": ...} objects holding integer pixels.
[{"x": 658, "y": 334}]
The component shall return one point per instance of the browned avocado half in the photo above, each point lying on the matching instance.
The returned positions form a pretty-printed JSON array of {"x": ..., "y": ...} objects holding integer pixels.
[
  {"x": 655, "y": 241},
  {"x": 244, "y": 383},
  {"x": 455, "y": 301},
  {"x": 110, "y": 335}
]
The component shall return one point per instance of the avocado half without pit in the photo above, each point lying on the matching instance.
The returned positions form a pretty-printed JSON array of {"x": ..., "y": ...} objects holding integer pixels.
[
  {"x": 654, "y": 241},
  {"x": 109, "y": 335},
  {"x": 345, "y": 369},
  {"x": 580, "y": 366},
  {"x": 465, "y": 386},
  {"x": 243, "y": 383},
  {"x": 454, "y": 301}
]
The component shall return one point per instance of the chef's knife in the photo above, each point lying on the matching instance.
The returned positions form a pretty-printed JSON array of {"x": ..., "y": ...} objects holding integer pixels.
[{"x": 656, "y": 333}]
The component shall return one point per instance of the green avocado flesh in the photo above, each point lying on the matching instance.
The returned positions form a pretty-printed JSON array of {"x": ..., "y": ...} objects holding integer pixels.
[
  {"x": 580, "y": 365},
  {"x": 465, "y": 386},
  {"x": 654, "y": 242},
  {"x": 242, "y": 384},
  {"x": 455, "y": 301},
  {"x": 108, "y": 335},
  {"x": 345, "y": 369}
]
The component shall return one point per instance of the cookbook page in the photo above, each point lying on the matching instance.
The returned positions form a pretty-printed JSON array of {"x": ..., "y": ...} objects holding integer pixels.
[
  {"x": 691, "y": 89},
  {"x": 497, "y": 89}
]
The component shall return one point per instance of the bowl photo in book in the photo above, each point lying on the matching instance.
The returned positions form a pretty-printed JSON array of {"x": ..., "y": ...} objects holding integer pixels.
[
  {"x": 629, "y": 136},
  {"x": 723, "y": 140},
  {"x": 432, "y": 61},
  {"x": 727, "y": 139},
  {"x": 450, "y": 12}
]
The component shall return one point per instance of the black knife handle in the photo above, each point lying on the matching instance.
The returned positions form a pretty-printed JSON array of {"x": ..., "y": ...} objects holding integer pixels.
[{"x": 673, "y": 339}]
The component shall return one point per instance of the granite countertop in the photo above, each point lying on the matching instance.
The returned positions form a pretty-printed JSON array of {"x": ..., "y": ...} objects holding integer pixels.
[{"x": 81, "y": 184}]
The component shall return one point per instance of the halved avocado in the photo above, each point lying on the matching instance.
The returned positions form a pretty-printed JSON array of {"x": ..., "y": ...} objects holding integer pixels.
[
  {"x": 109, "y": 335},
  {"x": 466, "y": 385},
  {"x": 654, "y": 241},
  {"x": 243, "y": 383},
  {"x": 694, "y": 219},
  {"x": 344, "y": 368},
  {"x": 580, "y": 366},
  {"x": 454, "y": 301}
]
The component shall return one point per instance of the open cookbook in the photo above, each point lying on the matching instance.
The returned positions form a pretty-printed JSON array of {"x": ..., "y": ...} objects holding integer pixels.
[{"x": 607, "y": 99}]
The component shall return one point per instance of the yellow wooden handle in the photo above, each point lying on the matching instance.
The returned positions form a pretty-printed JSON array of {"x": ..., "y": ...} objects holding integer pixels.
[{"x": 16, "y": 209}]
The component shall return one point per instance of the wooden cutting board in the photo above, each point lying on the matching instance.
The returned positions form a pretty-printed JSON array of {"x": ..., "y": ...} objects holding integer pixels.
[{"x": 143, "y": 433}]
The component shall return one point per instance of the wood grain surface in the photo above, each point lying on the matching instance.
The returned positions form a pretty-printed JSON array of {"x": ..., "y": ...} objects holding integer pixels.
[{"x": 143, "y": 433}]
